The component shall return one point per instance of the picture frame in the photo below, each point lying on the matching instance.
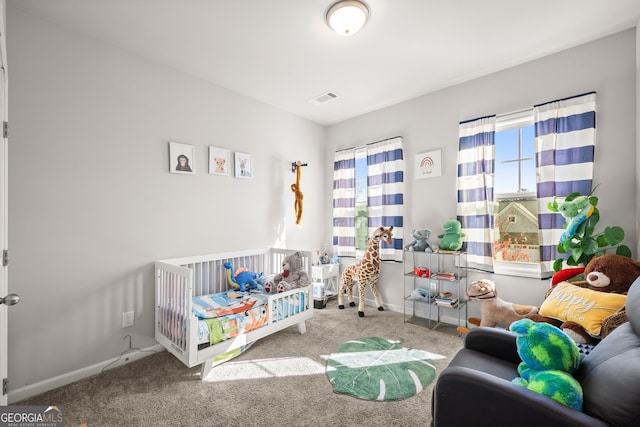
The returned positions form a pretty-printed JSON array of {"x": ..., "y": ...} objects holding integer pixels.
[
  {"x": 428, "y": 164},
  {"x": 182, "y": 158},
  {"x": 219, "y": 161},
  {"x": 243, "y": 165}
]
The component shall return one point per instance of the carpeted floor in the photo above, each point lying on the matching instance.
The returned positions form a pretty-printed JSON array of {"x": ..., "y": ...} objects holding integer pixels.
[{"x": 281, "y": 380}]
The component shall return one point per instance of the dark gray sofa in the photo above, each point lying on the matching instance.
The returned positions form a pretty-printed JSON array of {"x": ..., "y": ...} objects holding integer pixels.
[{"x": 476, "y": 389}]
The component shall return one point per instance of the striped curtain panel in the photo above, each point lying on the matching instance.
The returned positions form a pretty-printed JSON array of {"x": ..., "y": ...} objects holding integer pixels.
[
  {"x": 476, "y": 158},
  {"x": 344, "y": 203},
  {"x": 385, "y": 193},
  {"x": 565, "y": 132}
]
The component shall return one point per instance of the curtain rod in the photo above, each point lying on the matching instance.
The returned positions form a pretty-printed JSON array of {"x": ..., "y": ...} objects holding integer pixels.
[
  {"x": 477, "y": 118},
  {"x": 564, "y": 99},
  {"x": 370, "y": 143}
]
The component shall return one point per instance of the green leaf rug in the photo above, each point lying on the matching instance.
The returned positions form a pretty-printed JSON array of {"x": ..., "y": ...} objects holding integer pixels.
[{"x": 378, "y": 369}]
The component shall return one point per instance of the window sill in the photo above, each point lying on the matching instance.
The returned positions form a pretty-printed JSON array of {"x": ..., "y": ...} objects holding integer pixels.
[{"x": 520, "y": 269}]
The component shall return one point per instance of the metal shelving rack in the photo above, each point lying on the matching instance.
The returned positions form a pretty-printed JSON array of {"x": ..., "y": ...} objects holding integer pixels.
[{"x": 425, "y": 311}]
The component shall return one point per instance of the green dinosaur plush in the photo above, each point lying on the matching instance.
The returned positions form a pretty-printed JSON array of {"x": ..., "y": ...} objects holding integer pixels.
[
  {"x": 549, "y": 357},
  {"x": 452, "y": 237}
]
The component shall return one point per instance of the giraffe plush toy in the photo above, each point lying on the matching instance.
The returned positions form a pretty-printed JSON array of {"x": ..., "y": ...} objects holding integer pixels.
[{"x": 365, "y": 272}]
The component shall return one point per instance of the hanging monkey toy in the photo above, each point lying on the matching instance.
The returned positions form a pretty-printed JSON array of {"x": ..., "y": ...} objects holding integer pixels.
[{"x": 297, "y": 205}]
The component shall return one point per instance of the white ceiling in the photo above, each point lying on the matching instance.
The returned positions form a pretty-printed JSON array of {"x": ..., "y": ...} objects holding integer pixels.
[{"x": 282, "y": 53}]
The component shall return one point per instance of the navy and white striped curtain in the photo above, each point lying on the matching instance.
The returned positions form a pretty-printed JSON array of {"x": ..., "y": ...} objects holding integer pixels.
[
  {"x": 344, "y": 203},
  {"x": 385, "y": 196},
  {"x": 565, "y": 132},
  {"x": 476, "y": 160},
  {"x": 385, "y": 193}
]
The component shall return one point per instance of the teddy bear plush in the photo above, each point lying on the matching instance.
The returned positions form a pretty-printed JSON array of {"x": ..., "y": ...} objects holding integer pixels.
[
  {"x": 421, "y": 241},
  {"x": 452, "y": 237},
  {"x": 549, "y": 358},
  {"x": 579, "y": 311},
  {"x": 292, "y": 276}
]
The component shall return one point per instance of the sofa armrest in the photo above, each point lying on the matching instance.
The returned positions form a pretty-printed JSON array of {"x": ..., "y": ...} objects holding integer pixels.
[
  {"x": 494, "y": 342},
  {"x": 463, "y": 396}
]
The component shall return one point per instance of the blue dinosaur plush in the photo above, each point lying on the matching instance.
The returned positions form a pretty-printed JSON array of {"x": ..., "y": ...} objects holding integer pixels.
[
  {"x": 452, "y": 237},
  {"x": 549, "y": 357},
  {"x": 241, "y": 279}
]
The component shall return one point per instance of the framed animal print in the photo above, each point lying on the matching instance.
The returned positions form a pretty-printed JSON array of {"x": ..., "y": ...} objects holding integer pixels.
[
  {"x": 181, "y": 158},
  {"x": 219, "y": 161},
  {"x": 244, "y": 168}
]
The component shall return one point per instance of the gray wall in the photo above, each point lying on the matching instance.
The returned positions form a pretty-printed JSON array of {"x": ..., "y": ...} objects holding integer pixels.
[
  {"x": 430, "y": 122},
  {"x": 92, "y": 203}
]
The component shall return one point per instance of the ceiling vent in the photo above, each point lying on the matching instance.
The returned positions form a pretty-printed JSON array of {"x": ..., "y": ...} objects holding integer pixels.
[{"x": 323, "y": 99}]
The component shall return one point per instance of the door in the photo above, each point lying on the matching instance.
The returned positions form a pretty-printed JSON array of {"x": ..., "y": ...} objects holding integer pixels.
[{"x": 3, "y": 210}]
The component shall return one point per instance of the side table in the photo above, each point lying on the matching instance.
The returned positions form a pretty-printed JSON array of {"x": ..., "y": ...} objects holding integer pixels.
[{"x": 327, "y": 274}]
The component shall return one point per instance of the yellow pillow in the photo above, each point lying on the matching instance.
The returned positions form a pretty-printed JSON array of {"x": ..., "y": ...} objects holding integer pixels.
[{"x": 587, "y": 308}]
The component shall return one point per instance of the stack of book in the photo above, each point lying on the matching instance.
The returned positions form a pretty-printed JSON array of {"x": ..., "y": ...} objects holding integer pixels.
[
  {"x": 446, "y": 300},
  {"x": 446, "y": 275}
]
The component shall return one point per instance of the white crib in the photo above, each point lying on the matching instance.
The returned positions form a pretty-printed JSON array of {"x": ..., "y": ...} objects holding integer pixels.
[{"x": 179, "y": 280}]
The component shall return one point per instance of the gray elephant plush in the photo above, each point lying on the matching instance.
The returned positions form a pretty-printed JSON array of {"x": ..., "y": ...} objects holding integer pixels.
[{"x": 421, "y": 241}]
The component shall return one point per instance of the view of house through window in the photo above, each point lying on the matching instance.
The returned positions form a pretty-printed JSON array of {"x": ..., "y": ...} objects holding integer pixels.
[
  {"x": 515, "y": 207},
  {"x": 362, "y": 217}
]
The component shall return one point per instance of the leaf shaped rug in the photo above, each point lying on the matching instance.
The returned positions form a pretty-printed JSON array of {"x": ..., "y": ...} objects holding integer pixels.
[{"x": 378, "y": 369}]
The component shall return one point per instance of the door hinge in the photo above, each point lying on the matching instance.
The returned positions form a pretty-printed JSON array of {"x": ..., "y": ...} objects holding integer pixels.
[
  {"x": 5, "y": 386},
  {"x": 5, "y": 129},
  {"x": 5, "y": 257}
]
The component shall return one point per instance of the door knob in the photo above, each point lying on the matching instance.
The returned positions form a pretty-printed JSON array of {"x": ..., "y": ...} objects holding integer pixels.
[{"x": 11, "y": 299}]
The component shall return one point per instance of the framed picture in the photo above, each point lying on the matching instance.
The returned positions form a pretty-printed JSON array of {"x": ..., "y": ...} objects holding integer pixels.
[
  {"x": 243, "y": 165},
  {"x": 182, "y": 158},
  {"x": 219, "y": 161},
  {"x": 429, "y": 164}
]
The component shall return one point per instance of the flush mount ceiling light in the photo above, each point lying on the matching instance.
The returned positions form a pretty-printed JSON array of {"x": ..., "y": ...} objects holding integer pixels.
[{"x": 346, "y": 17}]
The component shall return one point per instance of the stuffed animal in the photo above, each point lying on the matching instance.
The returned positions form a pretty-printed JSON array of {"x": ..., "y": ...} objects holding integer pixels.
[
  {"x": 240, "y": 278},
  {"x": 580, "y": 311},
  {"x": 549, "y": 357},
  {"x": 292, "y": 276},
  {"x": 452, "y": 237},
  {"x": 421, "y": 241},
  {"x": 297, "y": 204},
  {"x": 493, "y": 309}
]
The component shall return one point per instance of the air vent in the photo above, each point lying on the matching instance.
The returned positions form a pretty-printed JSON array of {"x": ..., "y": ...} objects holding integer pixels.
[{"x": 323, "y": 99}]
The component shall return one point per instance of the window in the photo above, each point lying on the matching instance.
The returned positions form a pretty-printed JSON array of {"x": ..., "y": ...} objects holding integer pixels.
[
  {"x": 362, "y": 217},
  {"x": 495, "y": 183},
  {"x": 515, "y": 235},
  {"x": 368, "y": 192}
]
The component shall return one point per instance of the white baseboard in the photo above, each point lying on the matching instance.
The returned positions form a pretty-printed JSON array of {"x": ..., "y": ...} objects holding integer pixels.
[{"x": 70, "y": 377}]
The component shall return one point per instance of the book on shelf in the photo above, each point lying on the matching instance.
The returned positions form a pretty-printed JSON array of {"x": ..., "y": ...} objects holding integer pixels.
[
  {"x": 447, "y": 300},
  {"x": 446, "y": 275}
]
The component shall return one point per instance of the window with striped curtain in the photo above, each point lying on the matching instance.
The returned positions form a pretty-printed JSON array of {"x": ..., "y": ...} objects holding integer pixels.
[
  {"x": 384, "y": 175},
  {"x": 564, "y": 149}
]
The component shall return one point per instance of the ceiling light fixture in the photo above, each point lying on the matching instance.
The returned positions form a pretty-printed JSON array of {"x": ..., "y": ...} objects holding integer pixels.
[{"x": 346, "y": 17}]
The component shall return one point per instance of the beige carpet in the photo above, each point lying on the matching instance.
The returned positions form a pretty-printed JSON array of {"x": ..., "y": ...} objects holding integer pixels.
[{"x": 281, "y": 380}]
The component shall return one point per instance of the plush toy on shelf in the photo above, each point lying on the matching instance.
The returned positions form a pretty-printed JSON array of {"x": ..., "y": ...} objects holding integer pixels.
[
  {"x": 292, "y": 276},
  {"x": 582, "y": 312},
  {"x": 452, "y": 237},
  {"x": 421, "y": 241},
  {"x": 549, "y": 358}
]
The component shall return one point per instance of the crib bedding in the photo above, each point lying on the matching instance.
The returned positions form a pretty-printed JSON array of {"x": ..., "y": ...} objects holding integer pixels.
[{"x": 228, "y": 314}]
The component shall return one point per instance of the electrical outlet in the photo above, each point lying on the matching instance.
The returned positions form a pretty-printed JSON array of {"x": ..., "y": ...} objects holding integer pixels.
[{"x": 127, "y": 319}]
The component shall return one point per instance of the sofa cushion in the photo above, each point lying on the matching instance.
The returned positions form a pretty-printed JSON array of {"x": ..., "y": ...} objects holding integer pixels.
[
  {"x": 586, "y": 307},
  {"x": 610, "y": 374}
]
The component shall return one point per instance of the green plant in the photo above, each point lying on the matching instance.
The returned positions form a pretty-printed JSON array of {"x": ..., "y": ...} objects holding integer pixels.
[{"x": 585, "y": 244}]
